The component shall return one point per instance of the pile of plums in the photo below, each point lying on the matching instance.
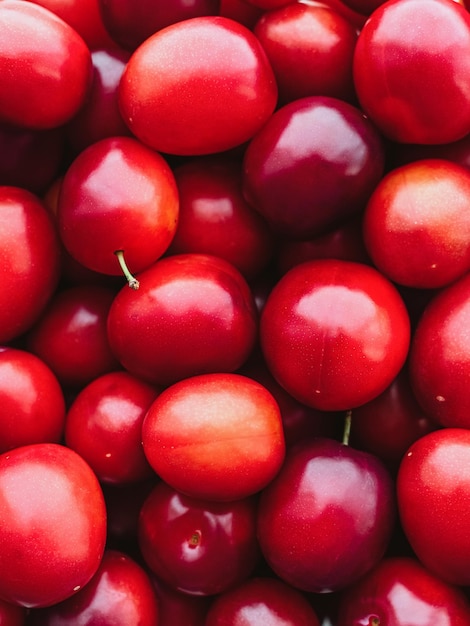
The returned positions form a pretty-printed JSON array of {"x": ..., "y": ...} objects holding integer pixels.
[{"x": 234, "y": 313}]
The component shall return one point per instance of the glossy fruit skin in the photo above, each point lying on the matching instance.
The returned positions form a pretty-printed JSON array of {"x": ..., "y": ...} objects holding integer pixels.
[
  {"x": 71, "y": 335},
  {"x": 195, "y": 546},
  {"x": 439, "y": 360},
  {"x": 310, "y": 48},
  {"x": 214, "y": 217},
  {"x": 130, "y": 24},
  {"x": 40, "y": 53},
  {"x": 215, "y": 437},
  {"x": 259, "y": 599},
  {"x": 399, "y": 591},
  {"x": 52, "y": 523},
  {"x": 432, "y": 490},
  {"x": 417, "y": 224},
  {"x": 168, "y": 106},
  {"x": 32, "y": 403},
  {"x": 334, "y": 333},
  {"x": 120, "y": 593},
  {"x": 191, "y": 304},
  {"x": 313, "y": 164},
  {"x": 429, "y": 106},
  {"x": 26, "y": 232},
  {"x": 104, "y": 425},
  {"x": 327, "y": 518},
  {"x": 117, "y": 195}
]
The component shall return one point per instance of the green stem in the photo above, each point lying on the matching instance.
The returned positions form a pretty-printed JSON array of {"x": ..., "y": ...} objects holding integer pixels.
[
  {"x": 131, "y": 280},
  {"x": 347, "y": 428}
]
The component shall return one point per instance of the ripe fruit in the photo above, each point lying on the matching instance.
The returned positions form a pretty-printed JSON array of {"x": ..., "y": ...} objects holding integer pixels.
[
  {"x": 194, "y": 305},
  {"x": 215, "y": 436},
  {"x": 327, "y": 517},
  {"x": 52, "y": 523},
  {"x": 334, "y": 333},
  {"x": 167, "y": 105},
  {"x": 433, "y": 484}
]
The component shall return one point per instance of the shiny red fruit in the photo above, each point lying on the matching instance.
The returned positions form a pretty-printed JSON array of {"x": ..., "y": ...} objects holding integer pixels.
[
  {"x": 201, "y": 86},
  {"x": 417, "y": 224},
  {"x": 334, "y": 333},
  {"x": 196, "y": 546},
  {"x": 399, "y": 591},
  {"x": 40, "y": 54},
  {"x": 439, "y": 361},
  {"x": 32, "y": 404},
  {"x": 117, "y": 196},
  {"x": 412, "y": 82},
  {"x": 215, "y": 436},
  {"x": 120, "y": 593},
  {"x": 104, "y": 425},
  {"x": 262, "y": 600},
  {"x": 327, "y": 518},
  {"x": 52, "y": 524},
  {"x": 310, "y": 48},
  {"x": 71, "y": 335},
  {"x": 312, "y": 165},
  {"x": 30, "y": 267},
  {"x": 433, "y": 487},
  {"x": 193, "y": 314}
]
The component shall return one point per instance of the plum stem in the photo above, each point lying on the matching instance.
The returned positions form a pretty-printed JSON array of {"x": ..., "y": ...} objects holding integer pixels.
[
  {"x": 131, "y": 280},
  {"x": 347, "y": 427}
]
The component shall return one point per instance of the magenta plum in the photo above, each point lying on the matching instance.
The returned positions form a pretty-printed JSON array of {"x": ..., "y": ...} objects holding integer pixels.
[
  {"x": 196, "y": 546},
  {"x": 388, "y": 425},
  {"x": 314, "y": 163},
  {"x": 327, "y": 517},
  {"x": 99, "y": 117}
]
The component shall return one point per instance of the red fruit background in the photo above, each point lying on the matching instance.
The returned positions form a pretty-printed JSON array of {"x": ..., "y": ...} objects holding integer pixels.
[{"x": 234, "y": 313}]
